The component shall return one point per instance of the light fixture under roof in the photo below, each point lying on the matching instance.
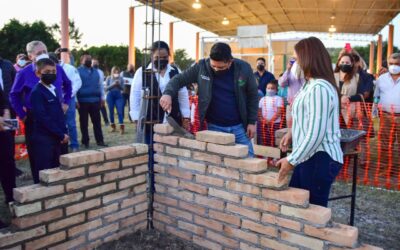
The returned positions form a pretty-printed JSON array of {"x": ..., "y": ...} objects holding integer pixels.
[
  {"x": 196, "y": 5},
  {"x": 225, "y": 21},
  {"x": 332, "y": 29}
]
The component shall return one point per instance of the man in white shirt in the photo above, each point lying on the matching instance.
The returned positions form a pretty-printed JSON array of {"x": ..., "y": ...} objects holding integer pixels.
[{"x": 387, "y": 96}]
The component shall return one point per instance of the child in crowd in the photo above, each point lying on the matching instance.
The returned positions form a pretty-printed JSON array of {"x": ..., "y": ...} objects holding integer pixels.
[{"x": 50, "y": 129}]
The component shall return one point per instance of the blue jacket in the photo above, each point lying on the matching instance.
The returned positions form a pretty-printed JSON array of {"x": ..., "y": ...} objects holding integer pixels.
[
  {"x": 90, "y": 91},
  {"x": 48, "y": 115}
]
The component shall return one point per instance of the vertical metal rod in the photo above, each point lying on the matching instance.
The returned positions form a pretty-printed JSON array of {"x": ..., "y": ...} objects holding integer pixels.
[{"x": 353, "y": 191}]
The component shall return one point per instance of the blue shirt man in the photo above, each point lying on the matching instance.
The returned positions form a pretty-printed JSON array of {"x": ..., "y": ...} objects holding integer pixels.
[{"x": 262, "y": 76}]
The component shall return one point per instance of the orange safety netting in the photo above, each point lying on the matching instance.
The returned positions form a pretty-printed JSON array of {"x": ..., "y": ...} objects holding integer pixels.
[{"x": 20, "y": 149}]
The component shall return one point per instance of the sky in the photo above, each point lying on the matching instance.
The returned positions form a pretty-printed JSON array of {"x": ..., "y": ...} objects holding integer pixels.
[{"x": 107, "y": 22}]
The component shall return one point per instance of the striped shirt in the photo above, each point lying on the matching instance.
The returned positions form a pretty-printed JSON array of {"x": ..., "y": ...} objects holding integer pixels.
[{"x": 315, "y": 127}]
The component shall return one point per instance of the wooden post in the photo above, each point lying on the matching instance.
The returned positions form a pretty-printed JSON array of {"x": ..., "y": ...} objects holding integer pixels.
[
  {"x": 171, "y": 40},
  {"x": 197, "y": 46},
  {"x": 390, "y": 41},
  {"x": 64, "y": 30},
  {"x": 379, "y": 54},
  {"x": 132, "y": 49},
  {"x": 371, "y": 57}
]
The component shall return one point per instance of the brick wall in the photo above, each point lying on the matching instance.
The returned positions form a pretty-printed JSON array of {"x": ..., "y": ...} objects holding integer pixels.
[
  {"x": 94, "y": 197},
  {"x": 210, "y": 193}
]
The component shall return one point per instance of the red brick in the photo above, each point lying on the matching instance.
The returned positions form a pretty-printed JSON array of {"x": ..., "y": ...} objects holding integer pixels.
[
  {"x": 180, "y": 173},
  {"x": 237, "y": 233},
  {"x": 165, "y": 160},
  {"x": 134, "y": 220},
  {"x": 135, "y": 161},
  {"x": 192, "y": 208},
  {"x": 140, "y": 148},
  {"x": 260, "y": 204},
  {"x": 21, "y": 210},
  {"x": 160, "y": 189},
  {"x": 196, "y": 188},
  {"x": 282, "y": 222},
  {"x": 206, "y": 243},
  {"x": 118, "y": 151},
  {"x": 243, "y": 212},
  {"x": 159, "y": 169},
  {"x": 84, "y": 227},
  {"x": 8, "y": 238},
  {"x": 118, "y": 215},
  {"x": 182, "y": 195},
  {"x": 28, "y": 221},
  {"x": 134, "y": 200},
  {"x": 209, "y": 180},
  {"x": 159, "y": 207},
  {"x": 86, "y": 205},
  {"x": 166, "y": 181},
  {"x": 273, "y": 244},
  {"x": 159, "y": 148},
  {"x": 72, "y": 244},
  {"x": 294, "y": 196},
  {"x": 361, "y": 247},
  {"x": 200, "y": 156},
  {"x": 36, "y": 192},
  {"x": 57, "y": 174},
  {"x": 167, "y": 139},
  {"x": 251, "y": 165},
  {"x": 118, "y": 175},
  {"x": 314, "y": 214},
  {"x": 179, "y": 233},
  {"x": 141, "y": 169},
  {"x": 209, "y": 202},
  {"x": 215, "y": 137},
  {"x": 223, "y": 172},
  {"x": 63, "y": 200},
  {"x": 192, "y": 228},
  {"x": 231, "y": 219},
  {"x": 259, "y": 228},
  {"x": 116, "y": 196},
  {"x": 72, "y": 186},
  {"x": 267, "y": 151},
  {"x": 159, "y": 226},
  {"x": 165, "y": 200},
  {"x": 301, "y": 240},
  {"x": 132, "y": 181},
  {"x": 101, "y": 190},
  {"x": 79, "y": 218},
  {"x": 244, "y": 246},
  {"x": 178, "y": 152},
  {"x": 103, "y": 231},
  {"x": 190, "y": 165},
  {"x": 102, "y": 211},
  {"x": 81, "y": 158},
  {"x": 237, "y": 150},
  {"x": 45, "y": 241},
  {"x": 224, "y": 195},
  {"x": 177, "y": 213},
  {"x": 141, "y": 207},
  {"x": 102, "y": 167},
  {"x": 339, "y": 234},
  {"x": 193, "y": 144},
  {"x": 212, "y": 224},
  {"x": 243, "y": 188},
  {"x": 223, "y": 240},
  {"x": 269, "y": 179},
  {"x": 92, "y": 245},
  {"x": 163, "y": 128},
  {"x": 164, "y": 218}
]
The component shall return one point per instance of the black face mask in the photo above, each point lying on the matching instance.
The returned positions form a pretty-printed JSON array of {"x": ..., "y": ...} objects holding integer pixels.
[
  {"x": 346, "y": 68},
  {"x": 260, "y": 67},
  {"x": 161, "y": 64},
  {"x": 48, "y": 78},
  {"x": 88, "y": 63}
]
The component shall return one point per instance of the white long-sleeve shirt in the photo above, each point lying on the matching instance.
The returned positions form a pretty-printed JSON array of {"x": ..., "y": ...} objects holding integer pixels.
[
  {"x": 73, "y": 75},
  {"x": 136, "y": 90},
  {"x": 388, "y": 91}
]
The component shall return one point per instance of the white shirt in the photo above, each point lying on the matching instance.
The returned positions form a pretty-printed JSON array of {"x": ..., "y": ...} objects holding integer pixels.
[
  {"x": 389, "y": 93},
  {"x": 136, "y": 91},
  {"x": 1, "y": 79},
  {"x": 51, "y": 88},
  {"x": 269, "y": 107},
  {"x": 101, "y": 82},
  {"x": 73, "y": 75}
]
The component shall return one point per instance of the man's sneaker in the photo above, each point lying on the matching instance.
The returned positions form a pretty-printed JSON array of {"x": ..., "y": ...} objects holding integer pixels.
[{"x": 102, "y": 144}]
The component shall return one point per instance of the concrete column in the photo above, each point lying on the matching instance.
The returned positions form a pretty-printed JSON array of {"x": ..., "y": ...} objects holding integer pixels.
[
  {"x": 371, "y": 57},
  {"x": 379, "y": 54},
  {"x": 64, "y": 30},
  {"x": 132, "y": 50},
  {"x": 197, "y": 46},
  {"x": 390, "y": 41},
  {"x": 171, "y": 41}
]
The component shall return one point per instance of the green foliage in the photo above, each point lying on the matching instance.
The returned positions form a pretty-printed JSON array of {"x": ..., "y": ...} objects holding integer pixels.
[
  {"x": 75, "y": 35},
  {"x": 15, "y": 35},
  {"x": 182, "y": 59}
]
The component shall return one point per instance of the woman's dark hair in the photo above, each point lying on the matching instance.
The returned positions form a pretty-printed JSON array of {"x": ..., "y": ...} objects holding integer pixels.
[
  {"x": 314, "y": 60},
  {"x": 349, "y": 75},
  {"x": 159, "y": 45},
  {"x": 221, "y": 52}
]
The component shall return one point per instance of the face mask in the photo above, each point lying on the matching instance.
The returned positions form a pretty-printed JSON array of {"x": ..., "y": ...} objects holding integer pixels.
[
  {"x": 394, "y": 69},
  {"x": 346, "y": 68},
  {"x": 116, "y": 75},
  {"x": 88, "y": 63},
  {"x": 162, "y": 64},
  {"x": 260, "y": 67},
  {"x": 296, "y": 71},
  {"x": 48, "y": 78},
  {"x": 21, "y": 62},
  {"x": 41, "y": 56},
  {"x": 270, "y": 93}
]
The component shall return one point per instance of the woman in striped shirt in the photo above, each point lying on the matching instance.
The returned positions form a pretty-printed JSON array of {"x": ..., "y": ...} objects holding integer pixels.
[{"x": 316, "y": 157}]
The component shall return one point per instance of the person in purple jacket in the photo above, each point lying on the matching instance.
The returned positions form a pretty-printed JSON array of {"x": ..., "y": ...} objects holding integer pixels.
[{"x": 20, "y": 95}]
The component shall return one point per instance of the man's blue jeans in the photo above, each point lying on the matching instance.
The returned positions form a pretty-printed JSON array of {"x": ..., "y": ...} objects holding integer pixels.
[
  {"x": 238, "y": 131},
  {"x": 70, "y": 119}
]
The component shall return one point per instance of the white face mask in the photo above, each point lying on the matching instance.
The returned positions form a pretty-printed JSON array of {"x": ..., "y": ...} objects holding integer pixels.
[
  {"x": 116, "y": 75},
  {"x": 41, "y": 56},
  {"x": 297, "y": 71},
  {"x": 394, "y": 69}
]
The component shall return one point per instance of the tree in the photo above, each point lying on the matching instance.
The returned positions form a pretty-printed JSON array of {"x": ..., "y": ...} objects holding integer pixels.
[
  {"x": 15, "y": 35},
  {"x": 182, "y": 59},
  {"x": 74, "y": 34}
]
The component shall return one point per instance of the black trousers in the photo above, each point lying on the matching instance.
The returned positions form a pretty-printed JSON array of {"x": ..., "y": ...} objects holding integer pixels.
[
  {"x": 29, "y": 143},
  {"x": 47, "y": 155},
  {"x": 7, "y": 164},
  {"x": 104, "y": 114},
  {"x": 92, "y": 110}
]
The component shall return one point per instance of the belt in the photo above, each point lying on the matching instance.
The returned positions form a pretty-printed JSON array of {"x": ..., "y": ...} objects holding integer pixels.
[{"x": 391, "y": 113}]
